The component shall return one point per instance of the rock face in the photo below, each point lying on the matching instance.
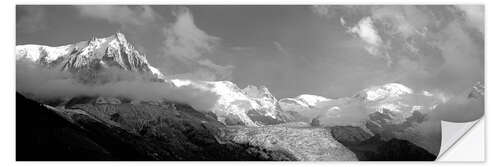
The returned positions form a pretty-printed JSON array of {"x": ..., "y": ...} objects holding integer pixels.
[
  {"x": 349, "y": 135},
  {"x": 88, "y": 58},
  {"x": 305, "y": 143},
  {"x": 87, "y": 130}
]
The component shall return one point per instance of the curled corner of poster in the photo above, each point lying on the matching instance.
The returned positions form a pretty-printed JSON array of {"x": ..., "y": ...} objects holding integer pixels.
[{"x": 452, "y": 132}]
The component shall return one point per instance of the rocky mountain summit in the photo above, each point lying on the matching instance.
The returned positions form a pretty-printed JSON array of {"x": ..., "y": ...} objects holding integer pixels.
[{"x": 87, "y": 58}]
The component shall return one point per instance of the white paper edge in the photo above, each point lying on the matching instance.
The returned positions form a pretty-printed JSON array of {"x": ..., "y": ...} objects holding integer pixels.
[{"x": 451, "y": 132}]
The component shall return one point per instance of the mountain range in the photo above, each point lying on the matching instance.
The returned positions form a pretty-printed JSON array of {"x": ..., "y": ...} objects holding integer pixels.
[{"x": 245, "y": 124}]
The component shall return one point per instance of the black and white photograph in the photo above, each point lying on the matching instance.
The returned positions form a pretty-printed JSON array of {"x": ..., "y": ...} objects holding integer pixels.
[{"x": 308, "y": 82}]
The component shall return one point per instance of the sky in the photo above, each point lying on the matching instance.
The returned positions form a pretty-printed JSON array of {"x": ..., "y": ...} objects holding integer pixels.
[{"x": 332, "y": 51}]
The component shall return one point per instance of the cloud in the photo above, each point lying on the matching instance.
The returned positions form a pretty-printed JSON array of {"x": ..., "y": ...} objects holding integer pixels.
[
  {"x": 196, "y": 75},
  {"x": 280, "y": 48},
  {"x": 432, "y": 47},
  {"x": 402, "y": 20},
  {"x": 47, "y": 84},
  {"x": 460, "y": 109},
  {"x": 474, "y": 15},
  {"x": 207, "y": 71},
  {"x": 368, "y": 33},
  {"x": 185, "y": 40},
  {"x": 427, "y": 46},
  {"x": 187, "y": 43},
  {"x": 123, "y": 15},
  {"x": 30, "y": 19},
  {"x": 223, "y": 72}
]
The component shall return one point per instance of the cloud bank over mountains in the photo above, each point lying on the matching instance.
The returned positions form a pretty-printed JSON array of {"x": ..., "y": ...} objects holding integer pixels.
[
  {"x": 426, "y": 46},
  {"x": 330, "y": 51},
  {"x": 45, "y": 83}
]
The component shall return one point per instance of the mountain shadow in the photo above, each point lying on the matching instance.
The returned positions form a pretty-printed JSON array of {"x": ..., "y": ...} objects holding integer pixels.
[
  {"x": 374, "y": 148},
  {"x": 47, "y": 133}
]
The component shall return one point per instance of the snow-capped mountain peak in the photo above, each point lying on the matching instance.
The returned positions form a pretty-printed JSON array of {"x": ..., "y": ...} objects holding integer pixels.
[
  {"x": 301, "y": 103},
  {"x": 258, "y": 92},
  {"x": 235, "y": 105},
  {"x": 121, "y": 37},
  {"x": 389, "y": 90},
  {"x": 477, "y": 91},
  {"x": 37, "y": 52},
  {"x": 94, "y": 54},
  {"x": 312, "y": 100}
]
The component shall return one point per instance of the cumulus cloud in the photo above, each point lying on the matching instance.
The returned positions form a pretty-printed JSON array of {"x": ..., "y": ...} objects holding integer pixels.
[
  {"x": 424, "y": 46},
  {"x": 385, "y": 31},
  {"x": 185, "y": 40},
  {"x": 187, "y": 43},
  {"x": 123, "y": 15},
  {"x": 30, "y": 19},
  {"x": 367, "y": 32}
]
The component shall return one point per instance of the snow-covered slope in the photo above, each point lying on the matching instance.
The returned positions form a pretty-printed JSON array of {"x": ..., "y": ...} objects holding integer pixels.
[
  {"x": 265, "y": 101},
  {"x": 395, "y": 98},
  {"x": 396, "y": 101},
  {"x": 92, "y": 55},
  {"x": 42, "y": 53},
  {"x": 391, "y": 110},
  {"x": 301, "y": 103},
  {"x": 477, "y": 91},
  {"x": 390, "y": 90},
  {"x": 235, "y": 105}
]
